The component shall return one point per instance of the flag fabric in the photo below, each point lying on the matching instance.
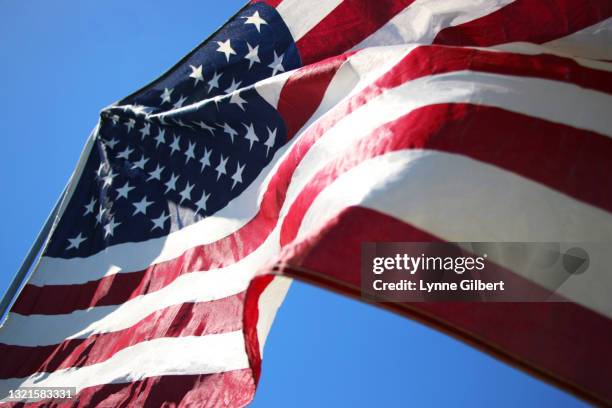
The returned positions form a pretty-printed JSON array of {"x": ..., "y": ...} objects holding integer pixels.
[{"x": 294, "y": 133}]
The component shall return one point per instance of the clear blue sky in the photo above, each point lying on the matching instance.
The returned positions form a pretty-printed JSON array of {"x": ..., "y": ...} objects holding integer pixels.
[{"x": 62, "y": 62}]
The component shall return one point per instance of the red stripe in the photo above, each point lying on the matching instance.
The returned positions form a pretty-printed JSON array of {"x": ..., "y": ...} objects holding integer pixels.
[
  {"x": 422, "y": 61},
  {"x": 573, "y": 161},
  {"x": 304, "y": 90},
  {"x": 271, "y": 3},
  {"x": 228, "y": 389},
  {"x": 251, "y": 317},
  {"x": 431, "y": 60},
  {"x": 188, "y": 319},
  {"x": 527, "y": 20},
  {"x": 346, "y": 26},
  {"x": 561, "y": 342}
]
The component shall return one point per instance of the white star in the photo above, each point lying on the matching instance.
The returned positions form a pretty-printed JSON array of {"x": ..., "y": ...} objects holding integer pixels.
[
  {"x": 100, "y": 215},
  {"x": 186, "y": 193},
  {"x": 75, "y": 242},
  {"x": 214, "y": 82},
  {"x": 201, "y": 203},
  {"x": 277, "y": 64},
  {"x": 161, "y": 137},
  {"x": 165, "y": 96},
  {"x": 270, "y": 140},
  {"x": 175, "y": 145},
  {"x": 111, "y": 143},
  {"x": 156, "y": 174},
  {"x": 115, "y": 119},
  {"x": 141, "y": 206},
  {"x": 171, "y": 184},
  {"x": 146, "y": 130},
  {"x": 130, "y": 124},
  {"x": 109, "y": 229},
  {"x": 237, "y": 177},
  {"x": 189, "y": 153},
  {"x": 226, "y": 48},
  {"x": 205, "y": 160},
  {"x": 204, "y": 126},
  {"x": 181, "y": 101},
  {"x": 140, "y": 163},
  {"x": 220, "y": 169},
  {"x": 255, "y": 20},
  {"x": 196, "y": 73},
  {"x": 108, "y": 179},
  {"x": 159, "y": 222},
  {"x": 231, "y": 132},
  {"x": 89, "y": 207},
  {"x": 125, "y": 154},
  {"x": 235, "y": 98},
  {"x": 233, "y": 86},
  {"x": 252, "y": 55},
  {"x": 123, "y": 191},
  {"x": 251, "y": 136}
]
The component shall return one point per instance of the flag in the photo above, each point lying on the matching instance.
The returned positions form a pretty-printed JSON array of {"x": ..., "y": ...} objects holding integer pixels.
[{"x": 293, "y": 134}]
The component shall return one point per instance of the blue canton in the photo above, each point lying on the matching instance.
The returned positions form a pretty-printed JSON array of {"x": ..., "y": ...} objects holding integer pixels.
[{"x": 184, "y": 146}]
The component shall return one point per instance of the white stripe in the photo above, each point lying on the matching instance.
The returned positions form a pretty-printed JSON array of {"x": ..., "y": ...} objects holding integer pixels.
[
  {"x": 591, "y": 42},
  {"x": 270, "y": 88},
  {"x": 462, "y": 200},
  {"x": 301, "y": 16},
  {"x": 535, "y": 49},
  {"x": 422, "y": 20},
  {"x": 209, "y": 354},
  {"x": 268, "y": 304}
]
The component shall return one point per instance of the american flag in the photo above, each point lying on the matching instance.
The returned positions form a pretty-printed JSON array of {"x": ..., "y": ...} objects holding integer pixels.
[{"x": 293, "y": 134}]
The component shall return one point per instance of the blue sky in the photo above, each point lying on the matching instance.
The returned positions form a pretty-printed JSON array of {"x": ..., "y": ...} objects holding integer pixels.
[{"x": 62, "y": 62}]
